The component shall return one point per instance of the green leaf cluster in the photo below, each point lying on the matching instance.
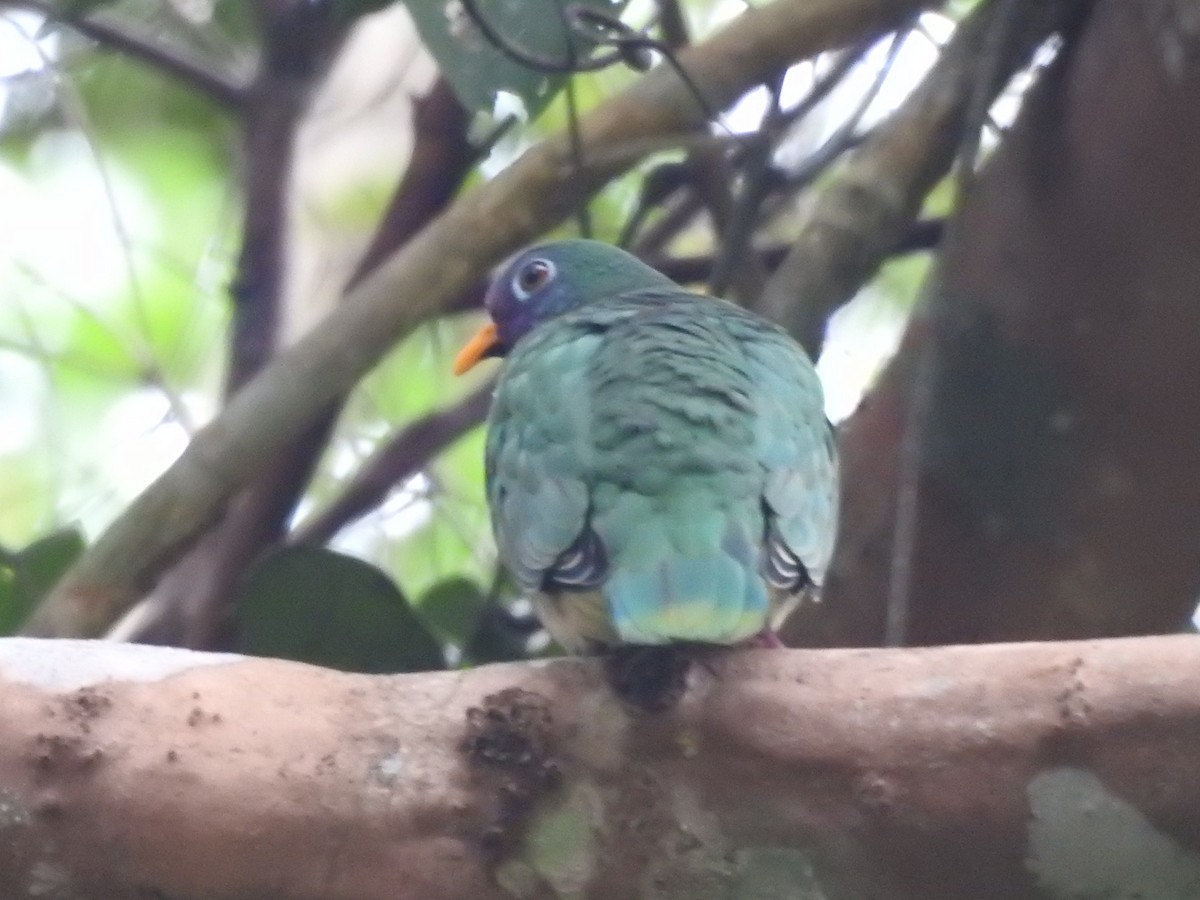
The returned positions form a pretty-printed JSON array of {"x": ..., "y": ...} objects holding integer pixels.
[{"x": 27, "y": 574}]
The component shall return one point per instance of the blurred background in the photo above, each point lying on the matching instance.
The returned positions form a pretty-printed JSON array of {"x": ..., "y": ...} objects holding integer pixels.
[{"x": 187, "y": 186}]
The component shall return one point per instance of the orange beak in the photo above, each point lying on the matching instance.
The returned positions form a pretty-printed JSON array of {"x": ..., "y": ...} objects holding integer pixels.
[{"x": 477, "y": 348}]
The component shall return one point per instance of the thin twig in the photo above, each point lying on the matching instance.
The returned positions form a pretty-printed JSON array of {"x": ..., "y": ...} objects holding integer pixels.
[
  {"x": 708, "y": 169},
  {"x": 627, "y": 153},
  {"x": 846, "y": 136},
  {"x": 851, "y": 225},
  {"x": 735, "y": 237},
  {"x": 568, "y": 64},
  {"x": 672, "y": 24},
  {"x": 680, "y": 212},
  {"x": 824, "y": 85},
  {"x": 219, "y": 87},
  {"x": 922, "y": 237},
  {"x": 990, "y": 67},
  {"x": 598, "y": 28},
  {"x": 76, "y": 112},
  {"x": 583, "y": 217},
  {"x": 409, "y": 451},
  {"x": 844, "y": 139},
  {"x": 658, "y": 186}
]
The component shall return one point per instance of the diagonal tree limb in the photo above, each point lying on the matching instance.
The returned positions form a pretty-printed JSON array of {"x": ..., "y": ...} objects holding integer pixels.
[
  {"x": 191, "y": 603},
  {"x": 424, "y": 277},
  {"x": 220, "y": 87},
  {"x": 1047, "y": 771},
  {"x": 404, "y": 455}
]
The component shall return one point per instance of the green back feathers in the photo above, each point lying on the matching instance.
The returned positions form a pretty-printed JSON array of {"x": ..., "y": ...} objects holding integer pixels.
[{"x": 663, "y": 449}]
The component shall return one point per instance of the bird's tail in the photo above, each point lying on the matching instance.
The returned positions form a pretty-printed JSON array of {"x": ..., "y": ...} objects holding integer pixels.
[{"x": 717, "y": 597}]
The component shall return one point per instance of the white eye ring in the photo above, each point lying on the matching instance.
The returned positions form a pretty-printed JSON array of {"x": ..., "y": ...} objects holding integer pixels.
[{"x": 530, "y": 277}]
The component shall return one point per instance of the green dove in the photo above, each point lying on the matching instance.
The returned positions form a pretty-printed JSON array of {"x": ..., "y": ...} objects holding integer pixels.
[{"x": 659, "y": 465}]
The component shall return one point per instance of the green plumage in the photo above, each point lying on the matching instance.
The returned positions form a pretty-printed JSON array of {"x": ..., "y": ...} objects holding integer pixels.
[{"x": 684, "y": 432}]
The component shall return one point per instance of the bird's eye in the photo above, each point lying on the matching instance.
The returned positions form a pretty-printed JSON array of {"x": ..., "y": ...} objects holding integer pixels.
[{"x": 532, "y": 276}]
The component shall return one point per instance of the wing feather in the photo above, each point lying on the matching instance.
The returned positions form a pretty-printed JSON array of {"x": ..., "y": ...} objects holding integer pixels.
[
  {"x": 537, "y": 456},
  {"x": 794, "y": 444}
]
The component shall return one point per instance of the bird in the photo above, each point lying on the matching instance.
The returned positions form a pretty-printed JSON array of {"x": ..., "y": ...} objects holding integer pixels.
[{"x": 659, "y": 468}]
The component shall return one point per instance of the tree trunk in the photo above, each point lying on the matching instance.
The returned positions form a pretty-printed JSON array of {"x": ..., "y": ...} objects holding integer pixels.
[{"x": 1057, "y": 490}]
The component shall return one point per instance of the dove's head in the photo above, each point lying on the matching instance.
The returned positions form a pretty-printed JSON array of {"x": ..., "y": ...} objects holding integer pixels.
[{"x": 547, "y": 281}]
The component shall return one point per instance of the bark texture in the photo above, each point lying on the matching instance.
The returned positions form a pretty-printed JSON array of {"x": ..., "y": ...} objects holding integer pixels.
[{"x": 1002, "y": 771}]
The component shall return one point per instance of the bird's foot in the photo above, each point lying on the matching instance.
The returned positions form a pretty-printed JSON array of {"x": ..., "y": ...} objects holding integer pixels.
[
  {"x": 766, "y": 640},
  {"x": 651, "y": 678}
]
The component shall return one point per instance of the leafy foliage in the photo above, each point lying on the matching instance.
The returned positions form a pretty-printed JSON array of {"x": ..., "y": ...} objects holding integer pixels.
[
  {"x": 321, "y": 607},
  {"x": 478, "y": 70},
  {"x": 26, "y": 575}
]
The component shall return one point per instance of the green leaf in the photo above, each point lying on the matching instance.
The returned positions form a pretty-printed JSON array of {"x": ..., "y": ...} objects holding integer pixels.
[
  {"x": 325, "y": 608},
  {"x": 477, "y": 70},
  {"x": 453, "y": 608},
  {"x": 350, "y": 11},
  {"x": 7, "y": 592},
  {"x": 26, "y": 576}
]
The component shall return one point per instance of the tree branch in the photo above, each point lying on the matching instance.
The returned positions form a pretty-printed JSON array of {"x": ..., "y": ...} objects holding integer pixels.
[
  {"x": 922, "y": 236},
  {"x": 409, "y": 450},
  {"x": 851, "y": 226},
  {"x": 709, "y": 168},
  {"x": 442, "y": 157},
  {"x": 425, "y": 276},
  {"x": 1006, "y": 772},
  {"x": 190, "y": 603},
  {"x": 221, "y": 88}
]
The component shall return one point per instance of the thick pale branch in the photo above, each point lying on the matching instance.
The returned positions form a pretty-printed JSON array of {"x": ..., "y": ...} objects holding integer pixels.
[
  {"x": 1001, "y": 771},
  {"x": 426, "y": 276}
]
